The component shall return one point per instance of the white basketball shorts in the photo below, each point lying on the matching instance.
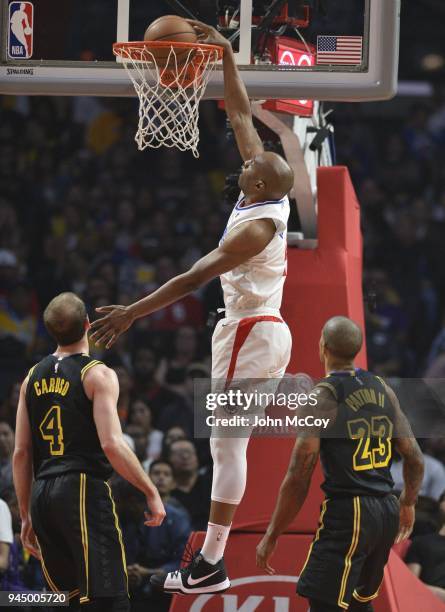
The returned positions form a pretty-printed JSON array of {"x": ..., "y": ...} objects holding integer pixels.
[{"x": 257, "y": 346}]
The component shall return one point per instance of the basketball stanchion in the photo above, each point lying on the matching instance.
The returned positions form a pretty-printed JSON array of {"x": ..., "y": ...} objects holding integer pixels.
[{"x": 170, "y": 87}]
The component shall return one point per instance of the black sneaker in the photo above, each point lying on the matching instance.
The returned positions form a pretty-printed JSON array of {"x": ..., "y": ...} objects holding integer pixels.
[{"x": 196, "y": 577}]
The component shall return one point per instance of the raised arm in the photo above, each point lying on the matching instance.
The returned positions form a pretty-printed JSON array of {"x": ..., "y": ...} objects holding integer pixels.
[
  {"x": 240, "y": 245},
  {"x": 22, "y": 464},
  {"x": 236, "y": 100},
  {"x": 413, "y": 467},
  {"x": 102, "y": 387}
]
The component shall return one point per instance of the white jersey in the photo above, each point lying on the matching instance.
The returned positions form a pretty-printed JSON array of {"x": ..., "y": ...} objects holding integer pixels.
[{"x": 258, "y": 283}]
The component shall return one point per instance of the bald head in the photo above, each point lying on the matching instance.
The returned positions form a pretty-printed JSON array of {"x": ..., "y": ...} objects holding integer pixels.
[
  {"x": 278, "y": 175},
  {"x": 342, "y": 338},
  {"x": 65, "y": 318},
  {"x": 267, "y": 176}
]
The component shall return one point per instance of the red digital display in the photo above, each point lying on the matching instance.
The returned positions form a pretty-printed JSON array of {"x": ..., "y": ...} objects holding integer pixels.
[{"x": 287, "y": 51}]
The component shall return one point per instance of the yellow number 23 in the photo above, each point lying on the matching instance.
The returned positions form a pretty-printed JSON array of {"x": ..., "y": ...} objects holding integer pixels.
[{"x": 378, "y": 454}]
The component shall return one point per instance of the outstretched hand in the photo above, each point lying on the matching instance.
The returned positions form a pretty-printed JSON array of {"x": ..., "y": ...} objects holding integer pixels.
[
  {"x": 209, "y": 35},
  {"x": 116, "y": 321}
]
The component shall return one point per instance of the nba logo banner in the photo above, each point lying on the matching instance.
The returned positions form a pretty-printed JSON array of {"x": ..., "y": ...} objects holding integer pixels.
[{"x": 20, "y": 31}]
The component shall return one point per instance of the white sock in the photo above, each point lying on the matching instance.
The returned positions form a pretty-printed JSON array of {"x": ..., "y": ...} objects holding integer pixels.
[{"x": 215, "y": 542}]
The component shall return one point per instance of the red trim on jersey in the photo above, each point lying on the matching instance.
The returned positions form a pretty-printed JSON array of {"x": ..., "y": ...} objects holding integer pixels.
[{"x": 244, "y": 328}]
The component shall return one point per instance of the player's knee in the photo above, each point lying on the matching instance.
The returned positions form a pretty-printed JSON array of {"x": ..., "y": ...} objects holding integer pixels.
[
  {"x": 220, "y": 451},
  {"x": 230, "y": 458},
  {"x": 228, "y": 451}
]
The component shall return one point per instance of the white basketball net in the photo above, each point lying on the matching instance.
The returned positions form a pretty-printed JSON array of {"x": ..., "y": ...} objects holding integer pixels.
[{"x": 169, "y": 94}]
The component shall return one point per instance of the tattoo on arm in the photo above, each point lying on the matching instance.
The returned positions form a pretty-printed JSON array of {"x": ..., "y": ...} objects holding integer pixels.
[{"x": 302, "y": 466}]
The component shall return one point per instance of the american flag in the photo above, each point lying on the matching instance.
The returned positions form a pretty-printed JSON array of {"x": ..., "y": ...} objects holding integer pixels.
[{"x": 339, "y": 50}]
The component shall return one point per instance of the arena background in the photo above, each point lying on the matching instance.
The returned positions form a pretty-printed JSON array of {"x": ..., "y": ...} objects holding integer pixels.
[{"x": 82, "y": 210}]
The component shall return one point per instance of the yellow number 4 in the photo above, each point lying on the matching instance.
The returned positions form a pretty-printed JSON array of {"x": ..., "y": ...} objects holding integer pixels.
[{"x": 52, "y": 431}]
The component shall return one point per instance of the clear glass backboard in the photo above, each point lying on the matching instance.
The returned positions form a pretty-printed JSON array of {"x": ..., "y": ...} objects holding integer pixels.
[{"x": 317, "y": 49}]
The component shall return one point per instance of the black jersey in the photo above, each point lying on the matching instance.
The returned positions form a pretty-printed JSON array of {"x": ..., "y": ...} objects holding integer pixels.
[
  {"x": 64, "y": 434},
  {"x": 356, "y": 457}
]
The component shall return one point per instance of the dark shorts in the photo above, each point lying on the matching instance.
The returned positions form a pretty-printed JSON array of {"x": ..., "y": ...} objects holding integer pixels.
[
  {"x": 76, "y": 524},
  {"x": 350, "y": 550}
]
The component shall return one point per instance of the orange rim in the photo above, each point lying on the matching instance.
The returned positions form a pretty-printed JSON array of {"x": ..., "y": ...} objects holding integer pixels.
[{"x": 135, "y": 50}]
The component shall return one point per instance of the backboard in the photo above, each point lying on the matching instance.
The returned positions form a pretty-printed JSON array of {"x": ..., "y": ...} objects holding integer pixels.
[{"x": 338, "y": 50}]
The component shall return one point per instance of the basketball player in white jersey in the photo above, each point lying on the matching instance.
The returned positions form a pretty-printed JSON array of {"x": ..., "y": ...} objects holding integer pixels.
[{"x": 252, "y": 341}]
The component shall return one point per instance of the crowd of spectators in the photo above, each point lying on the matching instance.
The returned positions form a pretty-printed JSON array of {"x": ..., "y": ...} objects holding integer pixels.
[
  {"x": 82, "y": 210},
  {"x": 397, "y": 167}
]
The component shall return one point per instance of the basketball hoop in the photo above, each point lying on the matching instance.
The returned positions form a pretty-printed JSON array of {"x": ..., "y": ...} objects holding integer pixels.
[{"x": 170, "y": 79}]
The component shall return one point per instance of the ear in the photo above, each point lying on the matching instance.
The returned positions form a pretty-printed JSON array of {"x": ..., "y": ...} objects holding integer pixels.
[
  {"x": 321, "y": 349},
  {"x": 260, "y": 185},
  {"x": 87, "y": 324}
]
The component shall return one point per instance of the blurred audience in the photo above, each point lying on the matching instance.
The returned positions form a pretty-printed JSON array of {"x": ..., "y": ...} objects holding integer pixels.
[
  {"x": 81, "y": 209},
  {"x": 172, "y": 370},
  {"x": 140, "y": 443},
  {"x": 426, "y": 557},
  {"x": 140, "y": 415},
  {"x": 433, "y": 481},
  {"x": 6, "y": 541},
  {"x": 14, "y": 572},
  {"x": 161, "y": 400},
  {"x": 148, "y": 550},
  {"x": 193, "y": 486},
  {"x": 6, "y": 451},
  {"x": 8, "y": 409}
]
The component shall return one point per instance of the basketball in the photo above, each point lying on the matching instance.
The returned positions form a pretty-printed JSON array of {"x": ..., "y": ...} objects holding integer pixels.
[{"x": 170, "y": 28}]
